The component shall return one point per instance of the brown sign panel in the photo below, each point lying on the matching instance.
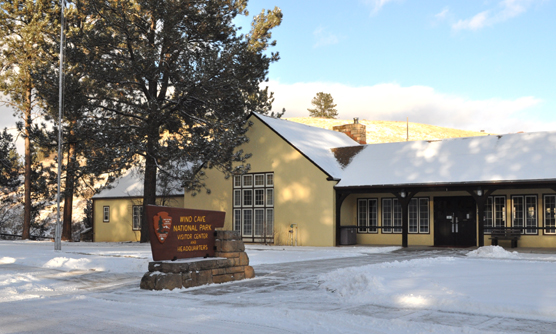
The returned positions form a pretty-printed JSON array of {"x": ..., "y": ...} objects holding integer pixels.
[{"x": 178, "y": 233}]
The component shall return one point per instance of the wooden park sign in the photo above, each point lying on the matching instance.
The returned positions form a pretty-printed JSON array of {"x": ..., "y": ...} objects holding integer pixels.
[{"x": 177, "y": 233}]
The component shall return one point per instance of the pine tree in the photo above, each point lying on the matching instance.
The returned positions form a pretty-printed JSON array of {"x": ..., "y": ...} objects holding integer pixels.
[
  {"x": 24, "y": 26},
  {"x": 9, "y": 164},
  {"x": 81, "y": 138},
  {"x": 324, "y": 106},
  {"x": 174, "y": 81}
]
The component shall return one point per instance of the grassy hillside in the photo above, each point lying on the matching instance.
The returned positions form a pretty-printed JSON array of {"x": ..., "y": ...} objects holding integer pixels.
[{"x": 390, "y": 131}]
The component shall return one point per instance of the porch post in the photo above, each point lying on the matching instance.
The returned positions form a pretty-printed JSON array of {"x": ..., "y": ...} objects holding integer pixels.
[
  {"x": 404, "y": 199},
  {"x": 481, "y": 202},
  {"x": 340, "y": 197}
]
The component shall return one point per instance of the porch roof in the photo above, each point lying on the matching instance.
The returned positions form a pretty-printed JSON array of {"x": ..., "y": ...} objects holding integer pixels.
[{"x": 502, "y": 158}]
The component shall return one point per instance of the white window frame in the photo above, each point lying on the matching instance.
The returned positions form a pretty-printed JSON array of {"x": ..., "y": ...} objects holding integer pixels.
[
  {"x": 418, "y": 212},
  {"x": 253, "y": 213},
  {"x": 366, "y": 219},
  {"x": 263, "y": 180},
  {"x": 524, "y": 214},
  {"x": 237, "y": 181},
  {"x": 547, "y": 212},
  {"x": 245, "y": 183},
  {"x": 136, "y": 216},
  {"x": 495, "y": 216},
  {"x": 255, "y": 191},
  {"x": 106, "y": 214},
  {"x": 269, "y": 180},
  {"x": 237, "y": 198}
]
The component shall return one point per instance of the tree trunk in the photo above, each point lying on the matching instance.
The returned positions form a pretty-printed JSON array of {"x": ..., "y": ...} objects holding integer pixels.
[
  {"x": 68, "y": 193},
  {"x": 149, "y": 185},
  {"x": 27, "y": 132}
]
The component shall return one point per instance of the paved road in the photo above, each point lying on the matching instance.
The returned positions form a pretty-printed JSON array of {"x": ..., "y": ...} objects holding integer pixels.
[{"x": 112, "y": 303}]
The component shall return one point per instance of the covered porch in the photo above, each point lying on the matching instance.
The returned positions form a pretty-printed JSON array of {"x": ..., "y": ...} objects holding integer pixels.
[{"x": 451, "y": 214}]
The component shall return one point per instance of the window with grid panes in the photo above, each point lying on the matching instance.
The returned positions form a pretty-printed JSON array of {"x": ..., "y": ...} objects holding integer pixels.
[
  {"x": 253, "y": 199},
  {"x": 391, "y": 215},
  {"x": 106, "y": 214},
  {"x": 550, "y": 213},
  {"x": 495, "y": 212},
  {"x": 367, "y": 215},
  {"x": 418, "y": 215},
  {"x": 136, "y": 217},
  {"x": 524, "y": 212}
]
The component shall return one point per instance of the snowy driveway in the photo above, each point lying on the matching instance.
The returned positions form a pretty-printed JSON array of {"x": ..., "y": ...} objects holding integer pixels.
[{"x": 342, "y": 291}]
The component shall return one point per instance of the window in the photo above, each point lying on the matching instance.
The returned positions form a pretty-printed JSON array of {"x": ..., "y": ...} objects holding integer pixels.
[
  {"x": 247, "y": 181},
  {"x": 391, "y": 215},
  {"x": 524, "y": 212},
  {"x": 550, "y": 213},
  {"x": 418, "y": 212},
  {"x": 106, "y": 214},
  {"x": 495, "y": 212},
  {"x": 259, "y": 180},
  {"x": 237, "y": 181},
  {"x": 137, "y": 217},
  {"x": 253, "y": 199},
  {"x": 367, "y": 211},
  {"x": 418, "y": 215}
]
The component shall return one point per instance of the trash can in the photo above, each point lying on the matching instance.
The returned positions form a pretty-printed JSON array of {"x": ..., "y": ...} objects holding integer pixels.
[{"x": 348, "y": 235}]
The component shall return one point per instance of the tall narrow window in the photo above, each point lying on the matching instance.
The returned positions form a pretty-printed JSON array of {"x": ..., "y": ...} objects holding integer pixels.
[
  {"x": 253, "y": 199},
  {"x": 423, "y": 215},
  {"x": 550, "y": 213},
  {"x": 367, "y": 215},
  {"x": 418, "y": 215},
  {"x": 137, "y": 217},
  {"x": 106, "y": 214},
  {"x": 391, "y": 215},
  {"x": 524, "y": 212},
  {"x": 495, "y": 213},
  {"x": 386, "y": 215},
  {"x": 413, "y": 211}
]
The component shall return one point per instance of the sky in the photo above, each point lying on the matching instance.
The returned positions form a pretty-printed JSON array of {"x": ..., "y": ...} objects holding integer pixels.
[{"x": 474, "y": 65}]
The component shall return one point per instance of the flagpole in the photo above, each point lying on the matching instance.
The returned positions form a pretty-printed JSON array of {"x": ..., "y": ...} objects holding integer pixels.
[{"x": 58, "y": 231}]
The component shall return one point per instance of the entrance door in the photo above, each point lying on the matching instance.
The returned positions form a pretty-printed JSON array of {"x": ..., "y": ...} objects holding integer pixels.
[{"x": 455, "y": 221}]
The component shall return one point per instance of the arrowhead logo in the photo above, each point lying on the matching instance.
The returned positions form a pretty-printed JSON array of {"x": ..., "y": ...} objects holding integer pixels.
[{"x": 162, "y": 225}]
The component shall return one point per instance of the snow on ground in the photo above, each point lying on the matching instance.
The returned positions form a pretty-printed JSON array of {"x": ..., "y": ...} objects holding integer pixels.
[
  {"x": 490, "y": 287},
  {"x": 260, "y": 254},
  {"x": 93, "y": 287}
]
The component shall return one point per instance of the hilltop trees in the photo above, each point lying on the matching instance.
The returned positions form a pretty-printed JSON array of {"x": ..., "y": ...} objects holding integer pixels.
[{"x": 324, "y": 106}]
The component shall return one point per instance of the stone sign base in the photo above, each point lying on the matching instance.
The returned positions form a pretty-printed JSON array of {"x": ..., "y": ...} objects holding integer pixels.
[{"x": 230, "y": 264}]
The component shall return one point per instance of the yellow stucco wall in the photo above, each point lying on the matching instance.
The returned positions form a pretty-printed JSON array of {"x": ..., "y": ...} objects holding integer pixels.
[
  {"x": 303, "y": 196},
  {"x": 120, "y": 226},
  {"x": 349, "y": 217}
]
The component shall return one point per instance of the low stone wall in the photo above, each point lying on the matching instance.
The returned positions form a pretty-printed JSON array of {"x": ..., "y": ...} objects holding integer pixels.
[{"x": 230, "y": 264}]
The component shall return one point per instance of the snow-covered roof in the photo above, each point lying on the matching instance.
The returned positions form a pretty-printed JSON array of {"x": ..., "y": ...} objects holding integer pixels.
[
  {"x": 315, "y": 143},
  {"x": 511, "y": 157},
  {"x": 130, "y": 184}
]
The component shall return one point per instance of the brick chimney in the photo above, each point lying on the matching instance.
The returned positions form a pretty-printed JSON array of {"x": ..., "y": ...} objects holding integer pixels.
[{"x": 356, "y": 131}]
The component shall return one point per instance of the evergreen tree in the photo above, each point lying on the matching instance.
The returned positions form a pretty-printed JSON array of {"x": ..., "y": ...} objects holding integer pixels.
[
  {"x": 9, "y": 164},
  {"x": 324, "y": 106},
  {"x": 25, "y": 25},
  {"x": 174, "y": 81},
  {"x": 81, "y": 139}
]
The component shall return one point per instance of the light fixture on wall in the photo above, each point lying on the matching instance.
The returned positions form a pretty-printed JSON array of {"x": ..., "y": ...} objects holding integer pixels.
[
  {"x": 402, "y": 194},
  {"x": 479, "y": 192}
]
